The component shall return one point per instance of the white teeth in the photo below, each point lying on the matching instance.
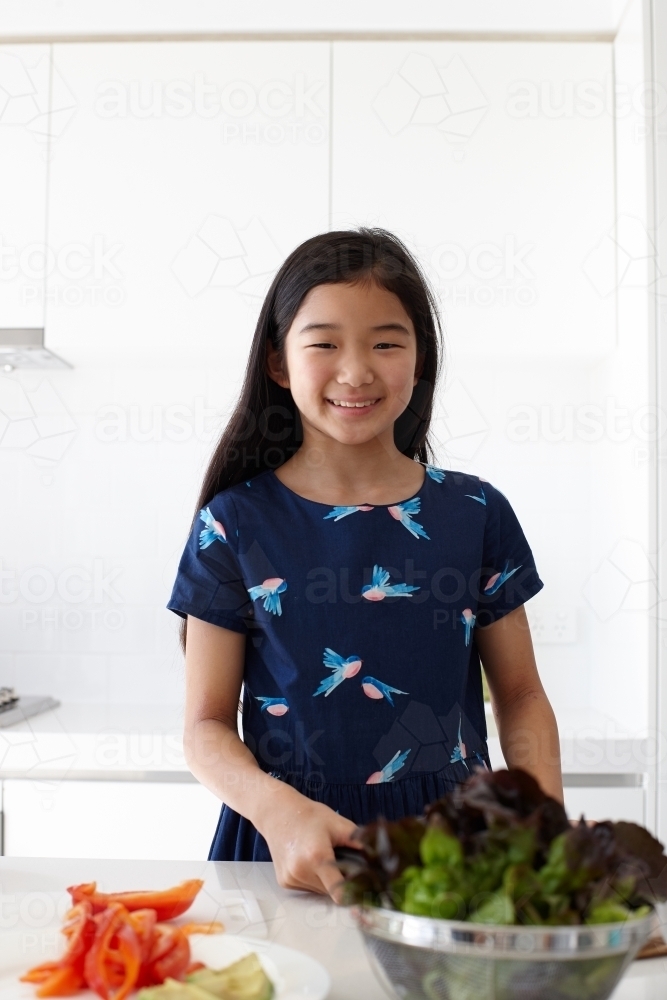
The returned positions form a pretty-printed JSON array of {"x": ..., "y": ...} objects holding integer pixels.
[{"x": 338, "y": 402}]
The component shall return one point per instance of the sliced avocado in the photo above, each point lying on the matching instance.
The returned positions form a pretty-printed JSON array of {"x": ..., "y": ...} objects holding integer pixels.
[
  {"x": 243, "y": 980},
  {"x": 172, "y": 989}
]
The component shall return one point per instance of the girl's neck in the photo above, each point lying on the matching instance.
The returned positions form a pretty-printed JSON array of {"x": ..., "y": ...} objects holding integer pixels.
[{"x": 351, "y": 484}]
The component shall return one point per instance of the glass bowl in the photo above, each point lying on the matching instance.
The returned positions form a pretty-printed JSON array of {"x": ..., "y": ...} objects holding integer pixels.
[{"x": 419, "y": 958}]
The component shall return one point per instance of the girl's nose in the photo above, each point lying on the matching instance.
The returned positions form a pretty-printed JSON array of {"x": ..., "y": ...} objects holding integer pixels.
[
  {"x": 354, "y": 371},
  {"x": 355, "y": 378}
]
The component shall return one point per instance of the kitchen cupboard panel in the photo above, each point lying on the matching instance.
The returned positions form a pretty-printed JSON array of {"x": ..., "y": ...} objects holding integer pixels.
[
  {"x": 24, "y": 135},
  {"x": 165, "y": 821},
  {"x": 108, "y": 819},
  {"x": 188, "y": 173},
  {"x": 606, "y": 803},
  {"x": 495, "y": 162}
]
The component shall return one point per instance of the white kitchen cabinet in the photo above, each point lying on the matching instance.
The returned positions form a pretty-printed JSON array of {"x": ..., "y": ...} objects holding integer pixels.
[
  {"x": 188, "y": 173},
  {"x": 606, "y": 803},
  {"x": 108, "y": 819},
  {"x": 174, "y": 821},
  {"x": 24, "y": 138}
]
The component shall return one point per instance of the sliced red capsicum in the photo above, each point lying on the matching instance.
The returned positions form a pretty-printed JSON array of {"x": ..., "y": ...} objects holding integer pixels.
[
  {"x": 63, "y": 982},
  {"x": 168, "y": 903},
  {"x": 113, "y": 971},
  {"x": 170, "y": 955},
  {"x": 143, "y": 922},
  {"x": 66, "y": 976}
]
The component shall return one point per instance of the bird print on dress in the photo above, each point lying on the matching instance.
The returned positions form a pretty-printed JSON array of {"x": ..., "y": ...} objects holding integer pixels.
[
  {"x": 375, "y": 689},
  {"x": 389, "y": 770},
  {"x": 481, "y": 499},
  {"x": 403, "y": 512},
  {"x": 481, "y": 760},
  {"x": 434, "y": 472},
  {"x": 338, "y": 512},
  {"x": 342, "y": 670},
  {"x": 274, "y": 706},
  {"x": 213, "y": 530},
  {"x": 270, "y": 589},
  {"x": 468, "y": 619},
  {"x": 498, "y": 579},
  {"x": 459, "y": 751},
  {"x": 378, "y": 589}
]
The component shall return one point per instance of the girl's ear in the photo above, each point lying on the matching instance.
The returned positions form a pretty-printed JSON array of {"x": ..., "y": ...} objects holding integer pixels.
[
  {"x": 421, "y": 358},
  {"x": 274, "y": 366}
]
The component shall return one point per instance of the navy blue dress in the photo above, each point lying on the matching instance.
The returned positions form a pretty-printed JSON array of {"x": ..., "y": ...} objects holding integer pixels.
[{"x": 362, "y": 682}]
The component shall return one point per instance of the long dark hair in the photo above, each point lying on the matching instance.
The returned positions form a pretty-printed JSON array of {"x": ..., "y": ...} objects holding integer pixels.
[{"x": 265, "y": 428}]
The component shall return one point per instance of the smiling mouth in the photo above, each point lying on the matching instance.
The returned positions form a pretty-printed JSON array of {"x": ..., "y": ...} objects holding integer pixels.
[{"x": 366, "y": 404}]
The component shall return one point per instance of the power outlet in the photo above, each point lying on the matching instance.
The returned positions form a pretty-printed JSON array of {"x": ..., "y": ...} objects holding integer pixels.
[{"x": 551, "y": 625}]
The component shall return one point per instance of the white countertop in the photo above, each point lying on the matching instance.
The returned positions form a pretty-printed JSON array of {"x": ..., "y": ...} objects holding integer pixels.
[
  {"x": 143, "y": 742},
  {"x": 307, "y": 922}
]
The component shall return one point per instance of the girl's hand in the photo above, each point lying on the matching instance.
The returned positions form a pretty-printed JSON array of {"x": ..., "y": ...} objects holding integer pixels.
[{"x": 301, "y": 835}]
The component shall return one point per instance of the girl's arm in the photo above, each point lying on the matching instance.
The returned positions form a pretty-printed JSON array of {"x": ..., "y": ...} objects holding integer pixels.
[
  {"x": 525, "y": 720},
  {"x": 301, "y": 834}
]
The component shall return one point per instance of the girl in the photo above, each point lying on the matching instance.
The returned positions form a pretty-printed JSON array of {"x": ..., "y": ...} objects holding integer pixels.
[{"x": 348, "y": 585}]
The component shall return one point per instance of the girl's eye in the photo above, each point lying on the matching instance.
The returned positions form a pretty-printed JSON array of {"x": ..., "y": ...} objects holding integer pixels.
[{"x": 383, "y": 344}]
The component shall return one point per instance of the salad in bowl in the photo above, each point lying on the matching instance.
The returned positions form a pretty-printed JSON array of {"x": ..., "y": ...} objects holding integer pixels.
[{"x": 493, "y": 892}]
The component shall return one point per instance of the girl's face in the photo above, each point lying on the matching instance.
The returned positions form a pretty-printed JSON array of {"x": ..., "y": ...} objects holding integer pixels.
[{"x": 350, "y": 343}]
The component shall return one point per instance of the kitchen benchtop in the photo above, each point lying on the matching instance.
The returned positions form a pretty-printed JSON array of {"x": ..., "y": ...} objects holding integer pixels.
[
  {"x": 300, "y": 920},
  {"x": 142, "y": 742}
]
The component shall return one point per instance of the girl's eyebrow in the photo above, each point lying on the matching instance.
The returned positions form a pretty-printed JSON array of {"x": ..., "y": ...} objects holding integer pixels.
[
  {"x": 396, "y": 327},
  {"x": 319, "y": 326}
]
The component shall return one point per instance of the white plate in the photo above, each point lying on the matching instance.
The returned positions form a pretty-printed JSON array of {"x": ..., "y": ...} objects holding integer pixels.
[{"x": 295, "y": 976}]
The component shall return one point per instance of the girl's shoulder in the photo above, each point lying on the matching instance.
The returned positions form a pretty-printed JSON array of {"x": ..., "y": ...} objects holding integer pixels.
[
  {"x": 455, "y": 478},
  {"x": 236, "y": 505},
  {"x": 248, "y": 489},
  {"x": 466, "y": 487}
]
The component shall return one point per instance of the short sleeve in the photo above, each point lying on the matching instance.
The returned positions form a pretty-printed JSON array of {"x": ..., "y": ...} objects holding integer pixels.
[
  {"x": 509, "y": 576},
  {"x": 209, "y": 582}
]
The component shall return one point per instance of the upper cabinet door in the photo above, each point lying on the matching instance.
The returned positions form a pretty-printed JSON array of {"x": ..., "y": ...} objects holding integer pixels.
[
  {"x": 495, "y": 161},
  {"x": 25, "y": 125},
  {"x": 187, "y": 174}
]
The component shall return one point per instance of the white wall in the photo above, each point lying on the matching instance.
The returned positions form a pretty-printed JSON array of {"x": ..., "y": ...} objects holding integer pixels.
[
  {"x": 157, "y": 325},
  {"x": 429, "y": 139},
  {"x": 623, "y": 591}
]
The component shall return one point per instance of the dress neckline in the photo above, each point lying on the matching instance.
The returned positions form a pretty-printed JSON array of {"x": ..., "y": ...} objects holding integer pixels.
[{"x": 318, "y": 503}]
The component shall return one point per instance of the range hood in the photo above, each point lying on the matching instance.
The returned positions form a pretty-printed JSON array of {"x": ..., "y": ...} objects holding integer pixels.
[{"x": 23, "y": 347}]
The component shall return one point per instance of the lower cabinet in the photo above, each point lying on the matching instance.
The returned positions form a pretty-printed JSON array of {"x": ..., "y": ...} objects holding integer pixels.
[
  {"x": 108, "y": 819},
  {"x": 606, "y": 803},
  {"x": 174, "y": 821}
]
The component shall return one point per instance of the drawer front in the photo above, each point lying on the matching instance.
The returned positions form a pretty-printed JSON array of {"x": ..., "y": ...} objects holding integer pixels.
[
  {"x": 606, "y": 803},
  {"x": 108, "y": 819}
]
